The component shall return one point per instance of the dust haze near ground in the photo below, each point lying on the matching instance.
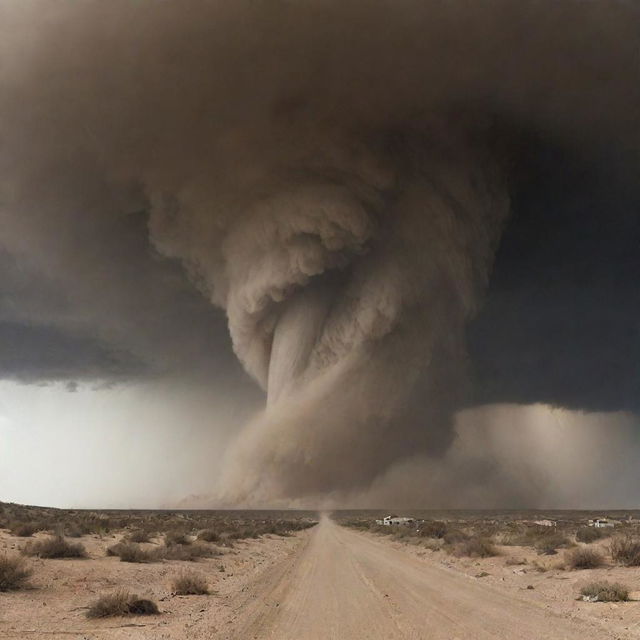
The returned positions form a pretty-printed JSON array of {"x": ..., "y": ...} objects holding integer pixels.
[{"x": 336, "y": 179}]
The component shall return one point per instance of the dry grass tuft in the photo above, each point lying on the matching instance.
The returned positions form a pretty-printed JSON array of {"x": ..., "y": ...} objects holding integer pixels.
[
  {"x": 606, "y": 592},
  {"x": 14, "y": 573},
  {"x": 190, "y": 583},
  {"x": 55, "y": 547},
  {"x": 584, "y": 558},
  {"x": 121, "y": 603}
]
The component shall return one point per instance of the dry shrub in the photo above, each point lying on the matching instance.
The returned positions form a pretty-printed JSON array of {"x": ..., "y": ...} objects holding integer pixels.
[
  {"x": 402, "y": 533},
  {"x": 24, "y": 529},
  {"x": 139, "y": 535},
  {"x": 476, "y": 548},
  {"x": 190, "y": 583},
  {"x": 209, "y": 535},
  {"x": 189, "y": 553},
  {"x": 176, "y": 537},
  {"x": 584, "y": 558},
  {"x": 55, "y": 547},
  {"x": 433, "y": 529},
  {"x": 72, "y": 531},
  {"x": 589, "y": 534},
  {"x": 606, "y": 591},
  {"x": 121, "y": 603},
  {"x": 455, "y": 536},
  {"x": 433, "y": 544},
  {"x": 548, "y": 544},
  {"x": 132, "y": 552},
  {"x": 14, "y": 573},
  {"x": 625, "y": 551}
]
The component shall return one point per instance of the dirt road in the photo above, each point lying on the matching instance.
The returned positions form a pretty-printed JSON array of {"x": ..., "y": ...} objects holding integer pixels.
[{"x": 344, "y": 585}]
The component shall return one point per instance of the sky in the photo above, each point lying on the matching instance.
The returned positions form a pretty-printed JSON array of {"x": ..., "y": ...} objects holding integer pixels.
[
  {"x": 313, "y": 253},
  {"x": 111, "y": 447}
]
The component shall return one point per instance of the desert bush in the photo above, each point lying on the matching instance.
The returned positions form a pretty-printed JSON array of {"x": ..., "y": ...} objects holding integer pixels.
[
  {"x": 23, "y": 529},
  {"x": 209, "y": 535},
  {"x": 588, "y": 534},
  {"x": 548, "y": 544},
  {"x": 455, "y": 536},
  {"x": 72, "y": 530},
  {"x": 433, "y": 529},
  {"x": 584, "y": 558},
  {"x": 55, "y": 547},
  {"x": 626, "y": 551},
  {"x": 190, "y": 583},
  {"x": 139, "y": 535},
  {"x": 133, "y": 552},
  {"x": 402, "y": 533},
  {"x": 606, "y": 591},
  {"x": 476, "y": 548},
  {"x": 188, "y": 553},
  {"x": 114, "y": 549},
  {"x": 14, "y": 573},
  {"x": 433, "y": 544},
  {"x": 121, "y": 603},
  {"x": 176, "y": 537}
]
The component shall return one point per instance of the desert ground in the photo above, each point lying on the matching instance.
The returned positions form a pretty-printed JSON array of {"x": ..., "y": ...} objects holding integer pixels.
[{"x": 280, "y": 575}]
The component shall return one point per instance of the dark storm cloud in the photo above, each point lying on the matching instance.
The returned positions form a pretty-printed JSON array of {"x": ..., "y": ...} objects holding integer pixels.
[
  {"x": 36, "y": 354},
  {"x": 561, "y": 320},
  {"x": 335, "y": 178}
]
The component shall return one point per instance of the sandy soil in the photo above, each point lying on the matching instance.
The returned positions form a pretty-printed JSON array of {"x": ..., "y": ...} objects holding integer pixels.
[
  {"x": 349, "y": 585},
  {"x": 329, "y": 582},
  {"x": 553, "y": 587},
  {"x": 62, "y": 590}
]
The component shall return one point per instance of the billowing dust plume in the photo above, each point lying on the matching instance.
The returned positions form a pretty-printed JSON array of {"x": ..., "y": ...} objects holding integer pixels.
[{"x": 334, "y": 175}]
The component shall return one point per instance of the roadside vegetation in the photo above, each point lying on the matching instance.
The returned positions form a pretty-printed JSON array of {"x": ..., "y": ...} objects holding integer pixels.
[
  {"x": 584, "y": 547},
  {"x": 605, "y": 592},
  {"x": 121, "y": 603}
]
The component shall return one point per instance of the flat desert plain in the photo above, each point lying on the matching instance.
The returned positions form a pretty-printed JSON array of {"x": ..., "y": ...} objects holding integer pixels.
[{"x": 283, "y": 576}]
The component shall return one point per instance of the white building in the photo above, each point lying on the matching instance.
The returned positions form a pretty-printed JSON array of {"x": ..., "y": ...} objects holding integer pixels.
[
  {"x": 601, "y": 523},
  {"x": 395, "y": 520},
  {"x": 545, "y": 523}
]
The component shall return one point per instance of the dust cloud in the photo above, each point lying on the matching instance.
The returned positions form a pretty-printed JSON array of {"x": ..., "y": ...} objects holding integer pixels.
[{"x": 333, "y": 179}]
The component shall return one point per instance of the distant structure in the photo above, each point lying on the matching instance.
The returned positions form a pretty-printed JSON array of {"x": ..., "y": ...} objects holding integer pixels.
[
  {"x": 545, "y": 523},
  {"x": 601, "y": 523},
  {"x": 395, "y": 520}
]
